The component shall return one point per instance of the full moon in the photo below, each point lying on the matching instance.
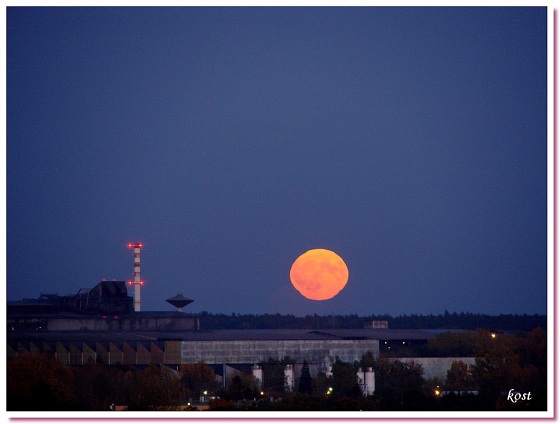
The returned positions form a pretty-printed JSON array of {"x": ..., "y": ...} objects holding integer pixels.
[{"x": 319, "y": 274}]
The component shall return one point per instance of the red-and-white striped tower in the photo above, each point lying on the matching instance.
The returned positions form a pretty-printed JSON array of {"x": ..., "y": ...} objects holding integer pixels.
[{"x": 137, "y": 283}]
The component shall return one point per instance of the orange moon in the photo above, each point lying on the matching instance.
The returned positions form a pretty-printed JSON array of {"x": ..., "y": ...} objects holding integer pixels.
[{"x": 319, "y": 274}]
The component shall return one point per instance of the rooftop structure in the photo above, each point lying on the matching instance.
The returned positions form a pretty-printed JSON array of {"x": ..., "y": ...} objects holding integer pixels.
[
  {"x": 107, "y": 297},
  {"x": 179, "y": 301}
]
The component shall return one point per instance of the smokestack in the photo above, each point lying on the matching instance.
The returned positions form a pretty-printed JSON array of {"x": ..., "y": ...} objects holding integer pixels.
[{"x": 137, "y": 283}]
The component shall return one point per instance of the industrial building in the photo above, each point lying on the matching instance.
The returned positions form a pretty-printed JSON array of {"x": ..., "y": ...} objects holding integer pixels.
[
  {"x": 103, "y": 324},
  {"x": 92, "y": 329},
  {"x": 227, "y": 351},
  {"x": 173, "y": 338}
]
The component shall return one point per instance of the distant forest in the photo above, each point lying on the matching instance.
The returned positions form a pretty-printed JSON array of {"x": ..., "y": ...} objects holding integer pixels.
[{"x": 463, "y": 320}]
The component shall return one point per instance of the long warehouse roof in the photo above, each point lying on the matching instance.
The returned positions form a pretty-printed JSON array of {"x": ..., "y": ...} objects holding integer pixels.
[{"x": 230, "y": 335}]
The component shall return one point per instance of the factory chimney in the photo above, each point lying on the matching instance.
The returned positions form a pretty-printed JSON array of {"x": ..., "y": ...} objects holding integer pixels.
[{"x": 137, "y": 281}]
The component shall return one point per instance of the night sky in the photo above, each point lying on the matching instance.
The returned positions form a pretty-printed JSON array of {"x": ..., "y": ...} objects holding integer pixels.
[{"x": 410, "y": 141}]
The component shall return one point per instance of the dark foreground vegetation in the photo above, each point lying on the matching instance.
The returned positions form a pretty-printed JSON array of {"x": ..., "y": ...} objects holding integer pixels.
[
  {"x": 503, "y": 362},
  {"x": 467, "y": 321}
]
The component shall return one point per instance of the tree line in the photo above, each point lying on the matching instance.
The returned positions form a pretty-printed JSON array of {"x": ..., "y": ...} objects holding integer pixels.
[
  {"x": 503, "y": 363},
  {"x": 446, "y": 320}
]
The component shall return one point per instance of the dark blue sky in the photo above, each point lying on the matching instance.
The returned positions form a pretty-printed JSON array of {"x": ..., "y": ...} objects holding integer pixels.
[{"x": 411, "y": 141}]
